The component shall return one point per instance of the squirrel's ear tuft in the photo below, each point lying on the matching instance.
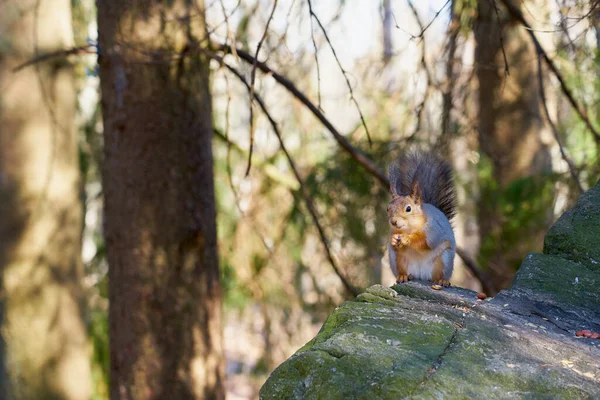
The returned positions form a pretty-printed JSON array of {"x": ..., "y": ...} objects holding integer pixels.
[
  {"x": 415, "y": 193},
  {"x": 394, "y": 176}
]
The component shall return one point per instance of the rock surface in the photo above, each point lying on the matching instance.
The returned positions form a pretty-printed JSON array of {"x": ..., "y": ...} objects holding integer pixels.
[{"x": 410, "y": 341}]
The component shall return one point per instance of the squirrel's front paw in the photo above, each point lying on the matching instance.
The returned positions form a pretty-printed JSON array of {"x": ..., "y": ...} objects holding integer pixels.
[{"x": 396, "y": 240}]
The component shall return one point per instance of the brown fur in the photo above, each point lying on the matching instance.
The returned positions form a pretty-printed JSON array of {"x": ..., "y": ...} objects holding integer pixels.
[
  {"x": 437, "y": 273},
  {"x": 415, "y": 179},
  {"x": 402, "y": 267},
  {"x": 413, "y": 223},
  {"x": 427, "y": 175},
  {"x": 410, "y": 235},
  {"x": 418, "y": 241}
]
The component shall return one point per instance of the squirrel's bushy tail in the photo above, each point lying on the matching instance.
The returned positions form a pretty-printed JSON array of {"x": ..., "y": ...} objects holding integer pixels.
[{"x": 433, "y": 175}]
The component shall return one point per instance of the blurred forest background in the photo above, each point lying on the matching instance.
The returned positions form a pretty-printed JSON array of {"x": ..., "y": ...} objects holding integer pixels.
[{"x": 109, "y": 112}]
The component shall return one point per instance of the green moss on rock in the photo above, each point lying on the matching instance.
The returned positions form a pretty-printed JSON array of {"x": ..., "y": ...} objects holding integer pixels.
[
  {"x": 576, "y": 235},
  {"x": 360, "y": 344},
  {"x": 559, "y": 280},
  {"x": 429, "y": 349},
  {"x": 410, "y": 341}
]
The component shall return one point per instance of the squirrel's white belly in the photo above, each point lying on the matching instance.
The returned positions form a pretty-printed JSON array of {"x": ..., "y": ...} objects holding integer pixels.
[{"x": 420, "y": 264}]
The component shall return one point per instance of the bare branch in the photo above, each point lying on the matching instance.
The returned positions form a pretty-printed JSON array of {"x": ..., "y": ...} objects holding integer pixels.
[
  {"x": 447, "y": 93},
  {"x": 228, "y": 156},
  {"x": 572, "y": 169},
  {"x": 424, "y": 29},
  {"x": 423, "y": 61},
  {"x": 421, "y": 107},
  {"x": 252, "y": 79},
  {"x": 595, "y": 17},
  {"x": 486, "y": 283},
  {"x": 401, "y": 28},
  {"x": 516, "y": 14},
  {"x": 501, "y": 36},
  {"x": 312, "y": 36},
  {"x": 362, "y": 118},
  {"x": 303, "y": 192},
  {"x": 562, "y": 23},
  {"x": 355, "y": 153},
  {"x": 57, "y": 54},
  {"x": 225, "y": 21}
]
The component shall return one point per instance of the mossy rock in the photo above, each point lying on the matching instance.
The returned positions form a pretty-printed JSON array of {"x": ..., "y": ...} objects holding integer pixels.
[
  {"x": 576, "y": 235},
  {"x": 410, "y": 341}
]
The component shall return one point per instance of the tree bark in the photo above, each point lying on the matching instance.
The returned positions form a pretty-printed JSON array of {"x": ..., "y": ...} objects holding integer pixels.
[
  {"x": 44, "y": 347},
  {"x": 160, "y": 228},
  {"x": 509, "y": 124}
]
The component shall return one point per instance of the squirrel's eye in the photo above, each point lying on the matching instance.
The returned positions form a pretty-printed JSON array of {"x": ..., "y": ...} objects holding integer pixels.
[{"x": 408, "y": 208}]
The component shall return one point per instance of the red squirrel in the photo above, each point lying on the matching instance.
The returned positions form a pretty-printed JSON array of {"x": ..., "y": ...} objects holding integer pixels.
[{"x": 422, "y": 244}]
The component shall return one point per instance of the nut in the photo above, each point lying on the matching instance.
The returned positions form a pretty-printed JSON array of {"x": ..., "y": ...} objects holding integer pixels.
[
  {"x": 436, "y": 287},
  {"x": 481, "y": 296}
]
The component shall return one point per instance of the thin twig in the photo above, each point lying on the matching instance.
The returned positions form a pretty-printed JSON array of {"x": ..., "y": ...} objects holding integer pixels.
[
  {"x": 362, "y": 118},
  {"x": 516, "y": 14},
  {"x": 424, "y": 29},
  {"x": 401, "y": 28},
  {"x": 361, "y": 158},
  {"x": 355, "y": 153},
  {"x": 562, "y": 24},
  {"x": 501, "y": 37},
  {"x": 56, "y": 54},
  {"x": 303, "y": 192},
  {"x": 271, "y": 172},
  {"x": 236, "y": 196},
  {"x": 252, "y": 79},
  {"x": 312, "y": 36},
  {"x": 421, "y": 107},
  {"x": 228, "y": 141},
  {"x": 572, "y": 169},
  {"x": 448, "y": 92},
  {"x": 486, "y": 283},
  {"x": 225, "y": 21}
]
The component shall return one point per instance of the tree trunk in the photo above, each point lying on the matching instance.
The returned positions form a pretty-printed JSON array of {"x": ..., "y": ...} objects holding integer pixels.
[
  {"x": 44, "y": 349},
  {"x": 509, "y": 125},
  {"x": 160, "y": 228}
]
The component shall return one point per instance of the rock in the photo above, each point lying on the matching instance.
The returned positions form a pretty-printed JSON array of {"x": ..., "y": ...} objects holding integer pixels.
[
  {"x": 415, "y": 342},
  {"x": 576, "y": 235}
]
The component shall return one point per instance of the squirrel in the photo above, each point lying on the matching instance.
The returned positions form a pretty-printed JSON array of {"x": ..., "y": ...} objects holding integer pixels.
[{"x": 422, "y": 244}]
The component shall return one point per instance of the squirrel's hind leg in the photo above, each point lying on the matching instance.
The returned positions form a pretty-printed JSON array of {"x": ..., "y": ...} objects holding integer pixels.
[
  {"x": 401, "y": 270},
  {"x": 448, "y": 261},
  {"x": 443, "y": 265},
  {"x": 437, "y": 275}
]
